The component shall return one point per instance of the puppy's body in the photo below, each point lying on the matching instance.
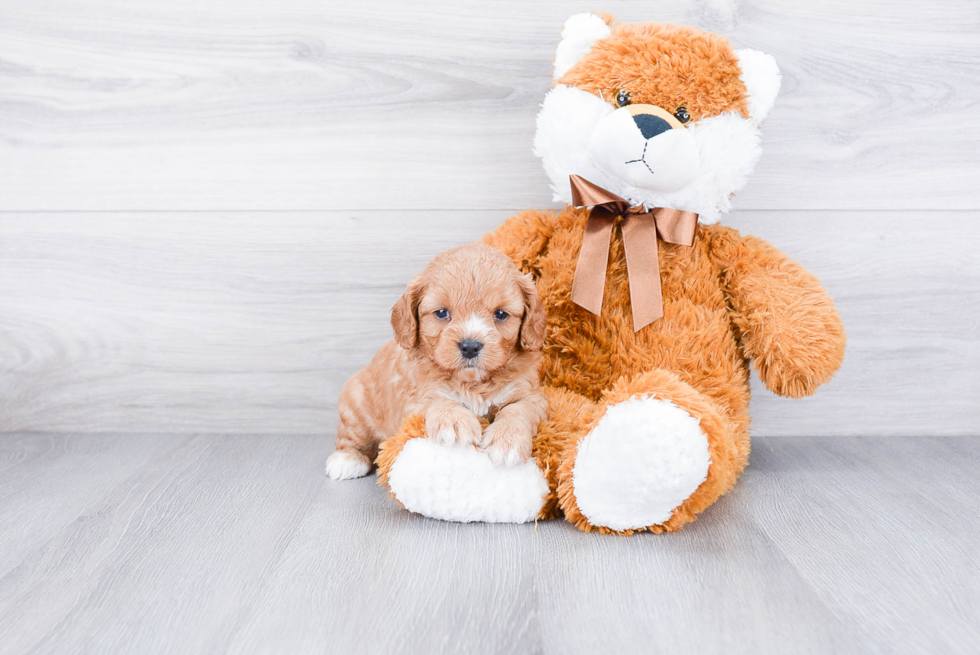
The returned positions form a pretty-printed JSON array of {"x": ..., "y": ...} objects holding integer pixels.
[{"x": 468, "y": 335}]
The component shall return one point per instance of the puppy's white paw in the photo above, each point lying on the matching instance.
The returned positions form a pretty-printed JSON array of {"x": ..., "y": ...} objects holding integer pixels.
[
  {"x": 506, "y": 444},
  {"x": 505, "y": 456},
  {"x": 454, "y": 427},
  {"x": 346, "y": 466}
]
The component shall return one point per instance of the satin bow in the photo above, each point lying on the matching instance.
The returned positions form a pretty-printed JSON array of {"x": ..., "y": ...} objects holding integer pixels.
[{"x": 640, "y": 229}]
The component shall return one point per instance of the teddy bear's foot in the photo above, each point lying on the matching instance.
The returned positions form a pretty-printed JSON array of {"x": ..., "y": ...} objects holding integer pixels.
[
  {"x": 641, "y": 461},
  {"x": 458, "y": 482}
]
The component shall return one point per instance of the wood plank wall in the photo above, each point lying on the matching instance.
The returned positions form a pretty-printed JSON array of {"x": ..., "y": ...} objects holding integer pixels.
[{"x": 207, "y": 207}]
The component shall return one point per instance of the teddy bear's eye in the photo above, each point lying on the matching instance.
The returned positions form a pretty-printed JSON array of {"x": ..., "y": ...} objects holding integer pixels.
[
  {"x": 682, "y": 115},
  {"x": 623, "y": 98}
]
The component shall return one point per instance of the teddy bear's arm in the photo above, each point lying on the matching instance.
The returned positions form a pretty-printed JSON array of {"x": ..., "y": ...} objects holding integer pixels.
[
  {"x": 523, "y": 237},
  {"x": 787, "y": 322}
]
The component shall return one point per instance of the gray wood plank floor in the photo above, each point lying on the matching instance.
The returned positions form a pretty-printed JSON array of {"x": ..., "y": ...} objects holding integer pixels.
[{"x": 210, "y": 543}]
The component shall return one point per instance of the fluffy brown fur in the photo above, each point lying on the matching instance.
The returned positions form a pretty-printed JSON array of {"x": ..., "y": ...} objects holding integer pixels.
[
  {"x": 471, "y": 293},
  {"x": 726, "y": 299},
  {"x": 669, "y": 66}
]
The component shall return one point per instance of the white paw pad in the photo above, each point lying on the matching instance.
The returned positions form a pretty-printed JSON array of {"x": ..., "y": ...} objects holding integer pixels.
[
  {"x": 641, "y": 461},
  {"x": 342, "y": 466}
]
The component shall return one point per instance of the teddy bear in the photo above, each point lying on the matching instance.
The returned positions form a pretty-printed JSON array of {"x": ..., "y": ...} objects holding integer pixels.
[{"x": 655, "y": 310}]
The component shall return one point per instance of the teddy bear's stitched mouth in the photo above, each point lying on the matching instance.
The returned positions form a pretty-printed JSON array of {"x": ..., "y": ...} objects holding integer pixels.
[{"x": 642, "y": 159}]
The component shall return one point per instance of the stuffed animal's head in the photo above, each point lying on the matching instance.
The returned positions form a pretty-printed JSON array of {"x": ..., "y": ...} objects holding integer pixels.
[{"x": 662, "y": 115}]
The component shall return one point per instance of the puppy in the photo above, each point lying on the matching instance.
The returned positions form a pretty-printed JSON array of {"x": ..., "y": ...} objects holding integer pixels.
[{"x": 468, "y": 335}]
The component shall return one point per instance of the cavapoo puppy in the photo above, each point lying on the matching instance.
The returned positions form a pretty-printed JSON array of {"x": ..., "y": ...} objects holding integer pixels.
[{"x": 468, "y": 335}]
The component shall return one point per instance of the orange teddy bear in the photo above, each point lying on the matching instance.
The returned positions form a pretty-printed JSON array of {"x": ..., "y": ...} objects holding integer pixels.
[{"x": 654, "y": 310}]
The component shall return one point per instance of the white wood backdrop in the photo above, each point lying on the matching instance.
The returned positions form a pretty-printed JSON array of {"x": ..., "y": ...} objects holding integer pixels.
[{"x": 207, "y": 207}]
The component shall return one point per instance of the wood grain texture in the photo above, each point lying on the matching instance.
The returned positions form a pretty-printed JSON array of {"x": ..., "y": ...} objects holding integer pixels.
[
  {"x": 63, "y": 476},
  {"x": 238, "y": 544},
  {"x": 300, "y": 104},
  {"x": 226, "y": 322},
  {"x": 849, "y": 522},
  {"x": 406, "y": 129}
]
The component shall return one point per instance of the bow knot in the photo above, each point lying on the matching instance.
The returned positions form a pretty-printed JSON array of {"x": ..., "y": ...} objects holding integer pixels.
[{"x": 640, "y": 230}]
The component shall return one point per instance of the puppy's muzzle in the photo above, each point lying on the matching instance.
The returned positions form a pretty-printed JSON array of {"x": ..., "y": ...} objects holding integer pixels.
[
  {"x": 470, "y": 348},
  {"x": 646, "y": 147}
]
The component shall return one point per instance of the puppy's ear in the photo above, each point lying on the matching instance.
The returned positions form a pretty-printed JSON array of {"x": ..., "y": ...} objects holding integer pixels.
[
  {"x": 535, "y": 320},
  {"x": 405, "y": 315}
]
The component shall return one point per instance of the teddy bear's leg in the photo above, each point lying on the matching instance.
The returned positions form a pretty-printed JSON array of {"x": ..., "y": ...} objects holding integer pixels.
[
  {"x": 659, "y": 454},
  {"x": 456, "y": 482},
  {"x": 570, "y": 417}
]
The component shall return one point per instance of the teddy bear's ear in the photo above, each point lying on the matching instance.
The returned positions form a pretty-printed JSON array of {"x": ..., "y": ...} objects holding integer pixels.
[
  {"x": 578, "y": 35},
  {"x": 761, "y": 77}
]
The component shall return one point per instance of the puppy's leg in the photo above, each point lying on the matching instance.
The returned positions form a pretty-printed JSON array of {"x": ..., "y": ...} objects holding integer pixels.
[
  {"x": 357, "y": 445},
  {"x": 448, "y": 422},
  {"x": 508, "y": 439}
]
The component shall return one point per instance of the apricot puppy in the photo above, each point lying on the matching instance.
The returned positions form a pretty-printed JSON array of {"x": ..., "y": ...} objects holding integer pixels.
[{"x": 468, "y": 335}]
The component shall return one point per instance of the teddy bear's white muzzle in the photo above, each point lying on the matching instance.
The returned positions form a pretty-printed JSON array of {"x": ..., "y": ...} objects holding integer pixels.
[{"x": 644, "y": 151}]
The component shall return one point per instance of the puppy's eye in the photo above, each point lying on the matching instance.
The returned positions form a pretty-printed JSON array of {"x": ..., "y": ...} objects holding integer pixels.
[
  {"x": 623, "y": 98},
  {"x": 682, "y": 115},
  {"x": 441, "y": 314},
  {"x": 500, "y": 315}
]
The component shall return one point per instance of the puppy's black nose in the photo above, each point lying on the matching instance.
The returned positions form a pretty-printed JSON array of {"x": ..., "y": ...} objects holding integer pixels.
[
  {"x": 470, "y": 348},
  {"x": 651, "y": 126}
]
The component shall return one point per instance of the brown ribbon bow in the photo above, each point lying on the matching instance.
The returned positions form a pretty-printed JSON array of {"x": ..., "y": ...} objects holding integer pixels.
[{"x": 640, "y": 229}]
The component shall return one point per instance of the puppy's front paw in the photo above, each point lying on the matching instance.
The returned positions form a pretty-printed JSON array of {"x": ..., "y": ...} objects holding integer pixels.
[
  {"x": 506, "y": 443},
  {"x": 453, "y": 426}
]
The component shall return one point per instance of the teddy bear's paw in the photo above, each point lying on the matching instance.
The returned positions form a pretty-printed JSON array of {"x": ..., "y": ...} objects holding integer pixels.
[
  {"x": 459, "y": 483},
  {"x": 640, "y": 462}
]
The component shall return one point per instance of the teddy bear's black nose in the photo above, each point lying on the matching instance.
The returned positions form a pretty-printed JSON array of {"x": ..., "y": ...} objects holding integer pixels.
[
  {"x": 470, "y": 348},
  {"x": 650, "y": 126}
]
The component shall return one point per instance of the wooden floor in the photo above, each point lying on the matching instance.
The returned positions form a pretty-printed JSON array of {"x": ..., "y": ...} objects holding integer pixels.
[{"x": 144, "y": 543}]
